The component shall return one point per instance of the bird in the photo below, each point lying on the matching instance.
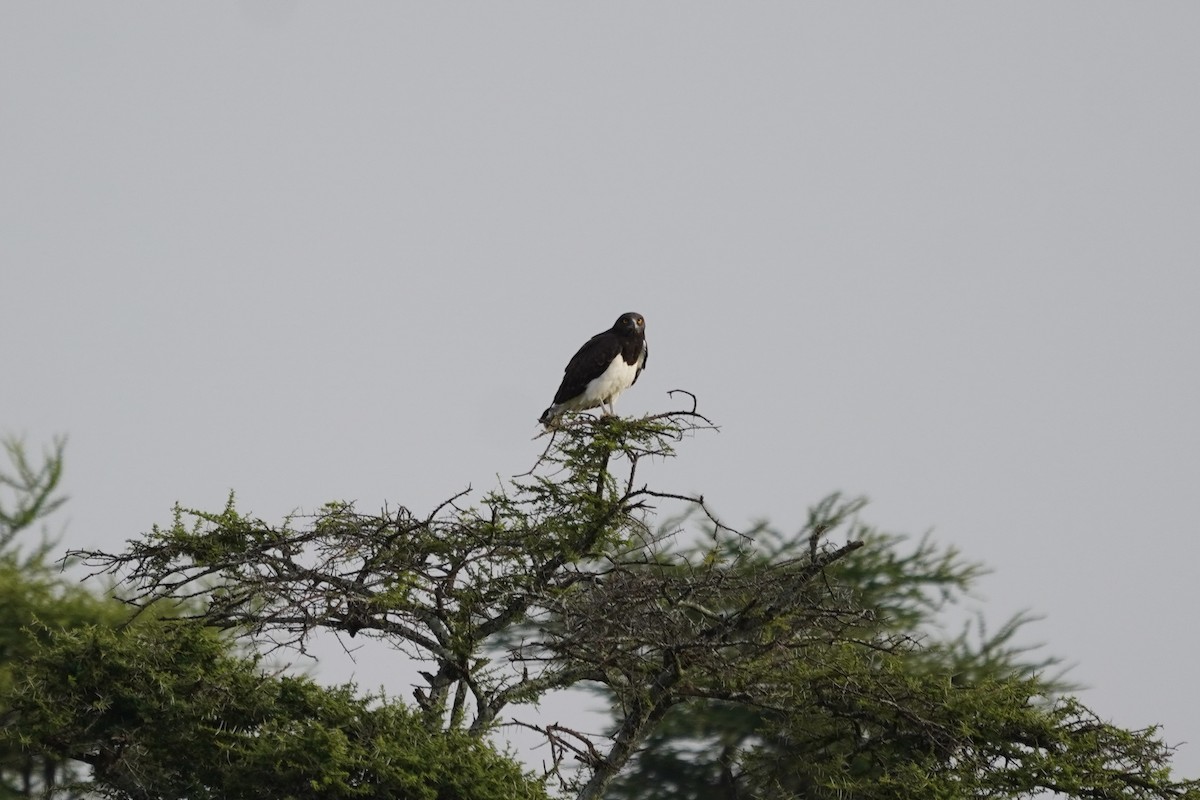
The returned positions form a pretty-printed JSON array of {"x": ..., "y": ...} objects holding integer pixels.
[{"x": 608, "y": 364}]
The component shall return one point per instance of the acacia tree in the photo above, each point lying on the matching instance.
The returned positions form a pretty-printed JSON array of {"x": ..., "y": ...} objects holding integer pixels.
[{"x": 560, "y": 579}]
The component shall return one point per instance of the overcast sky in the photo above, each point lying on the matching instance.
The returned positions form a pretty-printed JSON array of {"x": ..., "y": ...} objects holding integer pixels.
[{"x": 942, "y": 254}]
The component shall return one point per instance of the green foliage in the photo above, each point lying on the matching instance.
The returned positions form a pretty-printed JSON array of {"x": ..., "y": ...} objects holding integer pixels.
[
  {"x": 36, "y": 601},
  {"x": 171, "y": 710},
  {"x": 33, "y": 489},
  {"x": 870, "y": 728},
  {"x": 751, "y": 665},
  {"x": 896, "y": 708},
  {"x": 165, "y": 711}
]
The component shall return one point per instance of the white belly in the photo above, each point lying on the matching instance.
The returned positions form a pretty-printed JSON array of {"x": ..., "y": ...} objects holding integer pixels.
[{"x": 606, "y": 388}]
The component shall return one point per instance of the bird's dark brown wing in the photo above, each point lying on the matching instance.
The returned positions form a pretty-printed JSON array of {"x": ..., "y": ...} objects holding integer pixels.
[{"x": 589, "y": 363}]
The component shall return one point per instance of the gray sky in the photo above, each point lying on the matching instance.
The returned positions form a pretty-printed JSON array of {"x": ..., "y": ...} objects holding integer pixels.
[{"x": 943, "y": 254}]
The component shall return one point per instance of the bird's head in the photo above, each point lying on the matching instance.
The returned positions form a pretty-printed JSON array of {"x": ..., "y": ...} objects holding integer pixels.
[{"x": 630, "y": 323}]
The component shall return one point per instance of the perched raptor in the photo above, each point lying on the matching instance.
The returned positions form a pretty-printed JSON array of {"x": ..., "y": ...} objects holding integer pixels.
[{"x": 607, "y": 365}]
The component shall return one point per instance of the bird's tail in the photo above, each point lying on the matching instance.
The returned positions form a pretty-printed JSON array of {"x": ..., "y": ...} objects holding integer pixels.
[{"x": 547, "y": 416}]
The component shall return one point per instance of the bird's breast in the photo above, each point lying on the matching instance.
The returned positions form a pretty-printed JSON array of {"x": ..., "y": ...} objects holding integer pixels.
[{"x": 618, "y": 377}]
